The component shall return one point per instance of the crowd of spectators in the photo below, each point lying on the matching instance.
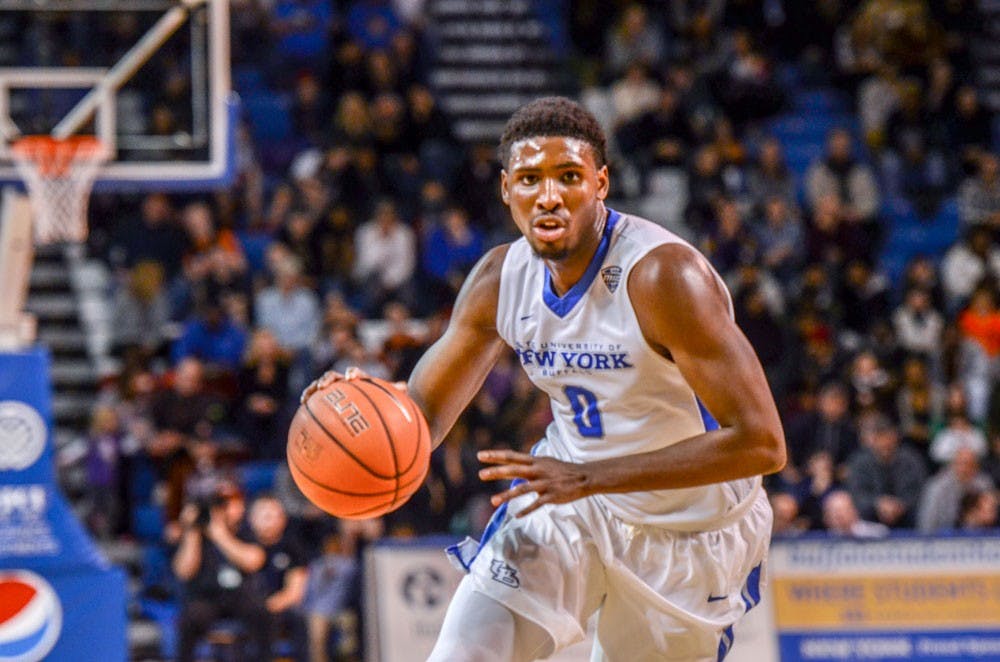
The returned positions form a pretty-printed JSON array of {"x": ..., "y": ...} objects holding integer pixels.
[{"x": 348, "y": 249}]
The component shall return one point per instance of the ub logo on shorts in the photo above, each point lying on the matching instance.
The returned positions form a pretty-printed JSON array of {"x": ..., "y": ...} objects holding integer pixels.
[
  {"x": 504, "y": 574},
  {"x": 22, "y": 435}
]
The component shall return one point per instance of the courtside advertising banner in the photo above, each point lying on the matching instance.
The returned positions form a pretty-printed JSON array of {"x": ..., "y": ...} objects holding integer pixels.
[
  {"x": 408, "y": 587},
  {"x": 905, "y": 598},
  {"x": 60, "y": 601}
]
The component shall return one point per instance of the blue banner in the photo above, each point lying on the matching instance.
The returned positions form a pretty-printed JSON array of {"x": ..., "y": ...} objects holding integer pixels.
[{"x": 59, "y": 598}]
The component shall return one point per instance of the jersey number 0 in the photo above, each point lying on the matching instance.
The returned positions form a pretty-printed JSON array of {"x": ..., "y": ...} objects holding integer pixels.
[{"x": 586, "y": 415}]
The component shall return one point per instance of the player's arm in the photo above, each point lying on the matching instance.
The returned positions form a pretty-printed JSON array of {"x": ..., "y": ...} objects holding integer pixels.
[
  {"x": 684, "y": 314},
  {"x": 451, "y": 372}
]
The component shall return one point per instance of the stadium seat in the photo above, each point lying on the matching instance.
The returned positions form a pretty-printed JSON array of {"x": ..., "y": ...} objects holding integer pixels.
[
  {"x": 268, "y": 113},
  {"x": 255, "y": 245},
  {"x": 147, "y": 522},
  {"x": 258, "y": 477}
]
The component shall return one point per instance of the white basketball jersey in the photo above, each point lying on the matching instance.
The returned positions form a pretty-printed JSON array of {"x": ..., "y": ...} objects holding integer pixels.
[{"x": 612, "y": 394}]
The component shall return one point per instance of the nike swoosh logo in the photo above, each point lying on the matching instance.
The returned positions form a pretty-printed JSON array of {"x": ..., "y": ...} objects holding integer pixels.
[
  {"x": 526, "y": 317},
  {"x": 716, "y": 598}
]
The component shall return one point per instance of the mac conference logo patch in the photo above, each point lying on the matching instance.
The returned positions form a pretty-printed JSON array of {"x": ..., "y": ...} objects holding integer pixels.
[
  {"x": 30, "y": 617},
  {"x": 612, "y": 277},
  {"x": 22, "y": 435}
]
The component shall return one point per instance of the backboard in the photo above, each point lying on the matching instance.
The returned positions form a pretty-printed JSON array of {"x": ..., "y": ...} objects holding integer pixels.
[{"x": 149, "y": 78}]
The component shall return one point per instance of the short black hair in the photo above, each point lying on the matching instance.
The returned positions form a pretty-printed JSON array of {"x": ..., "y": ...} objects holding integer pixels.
[{"x": 553, "y": 116}]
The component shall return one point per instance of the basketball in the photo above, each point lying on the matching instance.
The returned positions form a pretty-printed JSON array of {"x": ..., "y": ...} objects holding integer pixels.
[{"x": 358, "y": 448}]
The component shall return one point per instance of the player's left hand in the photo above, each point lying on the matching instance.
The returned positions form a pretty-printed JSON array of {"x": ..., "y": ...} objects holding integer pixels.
[{"x": 553, "y": 480}]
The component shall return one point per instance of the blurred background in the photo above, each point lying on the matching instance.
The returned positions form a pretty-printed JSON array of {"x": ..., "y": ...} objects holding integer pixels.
[{"x": 834, "y": 159}]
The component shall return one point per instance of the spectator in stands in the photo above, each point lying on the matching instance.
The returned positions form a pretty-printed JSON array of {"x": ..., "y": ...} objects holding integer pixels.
[
  {"x": 706, "y": 188},
  {"x": 872, "y": 385},
  {"x": 919, "y": 405},
  {"x": 979, "y": 326},
  {"x": 841, "y": 518},
  {"x": 289, "y": 309},
  {"x": 829, "y": 429},
  {"x": 634, "y": 39},
  {"x": 385, "y": 259},
  {"x": 283, "y": 576},
  {"x": 918, "y": 325},
  {"x": 746, "y": 87},
  {"x": 863, "y": 294},
  {"x": 211, "y": 337},
  {"x": 301, "y": 28},
  {"x": 142, "y": 310},
  {"x": 967, "y": 264},
  {"x": 260, "y": 410},
  {"x": 957, "y": 435},
  {"x": 831, "y": 241},
  {"x": 979, "y": 196},
  {"x": 214, "y": 263},
  {"x": 922, "y": 273},
  {"x": 913, "y": 164},
  {"x": 780, "y": 239},
  {"x": 940, "y": 505},
  {"x": 841, "y": 174},
  {"x": 214, "y": 561},
  {"x": 786, "y": 522},
  {"x": 633, "y": 94},
  {"x": 978, "y": 511},
  {"x": 333, "y": 591},
  {"x": 884, "y": 478},
  {"x": 818, "y": 480},
  {"x": 432, "y": 136},
  {"x": 970, "y": 126},
  {"x": 351, "y": 125},
  {"x": 769, "y": 177},
  {"x": 155, "y": 236},
  {"x": 659, "y": 137},
  {"x": 109, "y": 447},
  {"x": 372, "y": 23},
  {"x": 768, "y": 335},
  {"x": 179, "y": 414},
  {"x": 309, "y": 111},
  {"x": 729, "y": 243},
  {"x": 450, "y": 251}
]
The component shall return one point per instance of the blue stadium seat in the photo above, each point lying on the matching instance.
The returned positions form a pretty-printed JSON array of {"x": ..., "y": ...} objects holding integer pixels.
[
  {"x": 248, "y": 80},
  {"x": 147, "y": 521},
  {"x": 269, "y": 116},
  {"x": 820, "y": 100},
  {"x": 255, "y": 245},
  {"x": 258, "y": 477},
  {"x": 164, "y": 614}
]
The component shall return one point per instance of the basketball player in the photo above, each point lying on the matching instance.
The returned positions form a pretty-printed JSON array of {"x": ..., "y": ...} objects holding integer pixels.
[{"x": 644, "y": 499}]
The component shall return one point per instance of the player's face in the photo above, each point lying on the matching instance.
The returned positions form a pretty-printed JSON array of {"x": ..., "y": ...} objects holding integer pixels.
[{"x": 555, "y": 192}]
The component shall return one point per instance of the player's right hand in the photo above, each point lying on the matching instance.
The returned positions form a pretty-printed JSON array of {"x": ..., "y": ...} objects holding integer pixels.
[{"x": 324, "y": 380}]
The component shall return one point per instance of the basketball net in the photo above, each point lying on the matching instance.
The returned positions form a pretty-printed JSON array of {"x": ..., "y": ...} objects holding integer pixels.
[{"x": 59, "y": 174}]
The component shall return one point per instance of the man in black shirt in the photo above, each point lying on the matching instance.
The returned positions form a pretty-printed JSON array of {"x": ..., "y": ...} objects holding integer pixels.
[
  {"x": 215, "y": 564},
  {"x": 282, "y": 579}
]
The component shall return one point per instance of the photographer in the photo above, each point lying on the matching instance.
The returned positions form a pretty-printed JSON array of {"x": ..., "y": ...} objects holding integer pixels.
[
  {"x": 214, "y": 562},
  {"x": 283, "y": 577}
]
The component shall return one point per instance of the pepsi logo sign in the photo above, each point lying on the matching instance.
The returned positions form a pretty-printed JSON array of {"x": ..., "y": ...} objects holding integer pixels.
[
  {"x": 30, "y": 616},
  {"x": 22, "y": 435}
]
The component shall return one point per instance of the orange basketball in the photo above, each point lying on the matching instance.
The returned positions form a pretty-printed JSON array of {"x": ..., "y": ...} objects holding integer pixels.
[{"x": 359, "y": 448}]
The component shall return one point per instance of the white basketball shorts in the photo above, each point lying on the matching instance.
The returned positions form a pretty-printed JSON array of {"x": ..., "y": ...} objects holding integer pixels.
[{"x": 662, "y": 594}]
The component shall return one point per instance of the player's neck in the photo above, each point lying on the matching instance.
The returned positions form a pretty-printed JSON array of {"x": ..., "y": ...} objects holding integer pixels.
[{"x": 568, "y": 271}]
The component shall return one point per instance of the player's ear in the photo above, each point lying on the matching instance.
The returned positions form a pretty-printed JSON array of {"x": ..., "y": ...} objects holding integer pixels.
[
  {"x": 504, "y": 195},
  {"x": 603, "y": 182}
]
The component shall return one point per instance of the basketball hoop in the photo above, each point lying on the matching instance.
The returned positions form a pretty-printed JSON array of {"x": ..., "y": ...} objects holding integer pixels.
[{"x": 59, "y": 174}]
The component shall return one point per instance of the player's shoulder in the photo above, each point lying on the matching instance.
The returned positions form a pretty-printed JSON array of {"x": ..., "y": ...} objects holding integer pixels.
[
  {"x": 477, "y": 302},
  {"x": 668, "y": 267},
  {"x": 642, "y": 235}
]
